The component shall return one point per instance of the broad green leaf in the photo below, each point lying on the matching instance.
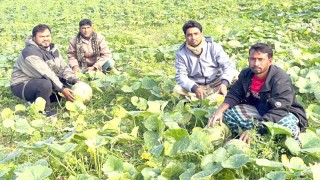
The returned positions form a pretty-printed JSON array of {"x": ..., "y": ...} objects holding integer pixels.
[
  {"x": 175, "y": 148},
  {"x": 157, "y": 150},
  {"x": 172, "y": 170},
  {"x": 20, "y": 107},
  {"x": 293, "y": 145},
  {"x": 199, "y": 142},
  {"x": 22, "y": 126},
  {"x": 112, "y": 126},
  {"x": 83, "y": 177},
  {"x": 134, "y": 132},
  {"x": 112, "y": 165},
  {"x": 151, "y": 139},
  {"x": 268, "y": 163},
  {"x": 235, "y": 161},
  {"x": 154, "y": 123},
  {"x": 119, "y": 111},
  {"x": 139, "y": 102},
  {"x": 124, "y": 137},
  {"x": 275, "y": 129},
  {"x": 4, "y": 172},
  {"x": 75, "y": 107},
  {"x": 96, "y": 142},
  {"x": 150, "y": 173},
  {"x": 154, "y": 106},
  {"x": 156, "y": 91},
  {"x": 220, "y": 155},
  {"x": 8, "y": 123},
  {"x": 127, "y": 89},
  {"x": 186, "y": 175},
  {"x": 202, "y": 175},
  {"x": 316, "y": 90},
  {"x": 295, "y": 163},
  {"x": 234, "y": 44},
  {"x": 127, "y": 167},
  {"x": 293, "y": 71},
  {"x": 10, "y": 156},
  {"x": 207, "y": 162},
  {"x": 275, "y": 175},
  {"x": 148, "y": 83},
  {"x": 176, "y": 134},
  {"x": 315, "y": 171},
  {"x": 38, "y": 123},
  {"x": 37, "y": 172},
  {"x": 7, "y": 113},
  {"x": 303, "y": 84},
  {"x": 40, "y": 104},
  {"x": 90, "y": 133},
  {"x": 310, "y": 142},
  {"x": 199, "y": 112},
  {"x": 61, "y": 150},
  {"x": 236, "y": 146}
]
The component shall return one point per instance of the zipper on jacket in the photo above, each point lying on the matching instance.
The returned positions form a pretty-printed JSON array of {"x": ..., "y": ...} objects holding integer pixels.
[{"x": 205, "y": 78}]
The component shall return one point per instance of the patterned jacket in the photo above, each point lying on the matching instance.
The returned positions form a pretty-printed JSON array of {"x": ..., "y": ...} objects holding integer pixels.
[{"x": 105, "y": 53}]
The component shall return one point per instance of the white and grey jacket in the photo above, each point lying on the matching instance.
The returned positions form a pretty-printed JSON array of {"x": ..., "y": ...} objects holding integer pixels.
[
  {"x": 36, "y": 62},
  {"x": 213, "y": 63}
]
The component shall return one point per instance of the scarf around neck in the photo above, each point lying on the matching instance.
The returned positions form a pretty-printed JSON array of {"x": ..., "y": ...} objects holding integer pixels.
[
  {"x": 80, "y": 51},
  {"x": 198, "y": 49}
]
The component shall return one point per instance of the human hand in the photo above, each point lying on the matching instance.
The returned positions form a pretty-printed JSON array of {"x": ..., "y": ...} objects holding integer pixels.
[
  {"x": 245, "y": 137},
  {"x": 223, "y": 89},
  {"x": 67, "y": 93},
  {"x": 200, "y": 93},
  {"x": 218, "y": 115},
  {"x": 91, "y": 68},
  {"x": 75, "y": 69}
]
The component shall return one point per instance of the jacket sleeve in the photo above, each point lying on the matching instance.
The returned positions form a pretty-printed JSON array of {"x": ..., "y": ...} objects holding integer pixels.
[
  {"x": 182, "y": 74},
  {"x": 236, "y": 93},
  {"x": 105, "y": 53},
  {"x": 36, "y": 67},
  {"x": 72, "y": 53},
  {"x": 228, "y": 67},
  {"x": 281, "y": 99},
  {"x": 66, "y": 72}
]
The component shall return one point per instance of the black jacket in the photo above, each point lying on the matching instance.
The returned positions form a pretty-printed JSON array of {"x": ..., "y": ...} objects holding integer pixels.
[{"x": 277, "y": 96}]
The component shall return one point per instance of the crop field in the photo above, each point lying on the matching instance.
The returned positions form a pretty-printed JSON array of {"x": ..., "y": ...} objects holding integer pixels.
[{"x": 135, "y": 127}]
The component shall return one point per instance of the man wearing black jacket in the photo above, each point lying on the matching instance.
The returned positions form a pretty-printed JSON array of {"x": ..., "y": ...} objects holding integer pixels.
[{"x": 262, "y": 93}]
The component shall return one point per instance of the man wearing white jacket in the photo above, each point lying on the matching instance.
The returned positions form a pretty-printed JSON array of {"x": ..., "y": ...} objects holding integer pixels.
[{"x": 202, "y": 66}]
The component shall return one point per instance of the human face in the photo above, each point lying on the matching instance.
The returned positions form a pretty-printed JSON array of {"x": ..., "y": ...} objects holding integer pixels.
[
  {"x": 43, "y": 39},
  {"x": 86, "y": 31},
  {"x": 259, "y": 63},
  {"x": 193, "y": 36}
]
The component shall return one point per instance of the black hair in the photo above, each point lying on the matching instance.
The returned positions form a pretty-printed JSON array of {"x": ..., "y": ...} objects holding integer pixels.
[
  {"x": 191, "y": 24},
  {"x": 85, "y": 22},
  {"x": 40, "y": 28},
  {"x": 261, "y": 47}
]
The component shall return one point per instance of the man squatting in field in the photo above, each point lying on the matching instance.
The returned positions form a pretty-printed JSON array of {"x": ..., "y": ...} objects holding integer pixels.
[
  {"x": 40, "y": 70},
  {"x": 88, "y": 51},
  {"x": 262, "y": 93},
  {"x": 202, "y": 66}
]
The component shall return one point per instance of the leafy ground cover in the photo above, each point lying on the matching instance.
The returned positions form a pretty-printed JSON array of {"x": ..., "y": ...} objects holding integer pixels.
[{"x": 134, "y": 127}]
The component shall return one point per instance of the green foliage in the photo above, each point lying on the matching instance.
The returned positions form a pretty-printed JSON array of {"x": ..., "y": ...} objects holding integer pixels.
[{"x": 134, "y": 127}]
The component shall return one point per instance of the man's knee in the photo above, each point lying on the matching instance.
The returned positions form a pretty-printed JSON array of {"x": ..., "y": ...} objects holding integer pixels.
[{"x": 45, "y": 85}]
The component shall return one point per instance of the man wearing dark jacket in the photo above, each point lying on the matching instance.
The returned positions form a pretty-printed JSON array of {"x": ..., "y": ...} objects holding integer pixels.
[
  {"x": 40, "y": 70},
  {"x": 262, "y": 93}
]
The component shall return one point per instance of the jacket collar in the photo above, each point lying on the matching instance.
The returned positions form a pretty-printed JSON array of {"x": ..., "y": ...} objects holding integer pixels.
[{"x": 266, "y": 86}]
